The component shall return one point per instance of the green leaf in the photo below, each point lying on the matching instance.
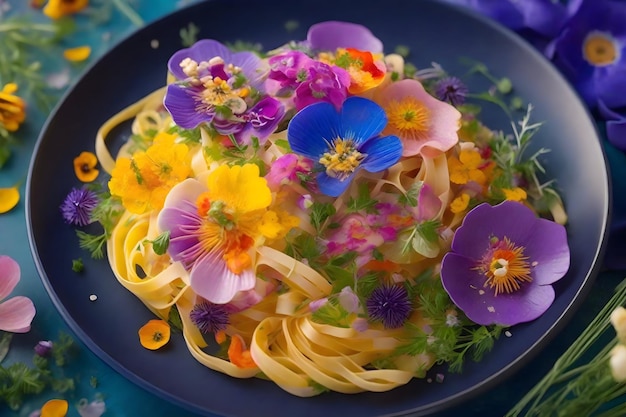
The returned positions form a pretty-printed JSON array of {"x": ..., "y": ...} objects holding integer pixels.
[
  {"x": 320, "y": 212},
  {"x": 5, "y": 344},
  {"x": 363, "y": 201},
  {"x": 160, "y": 243}
]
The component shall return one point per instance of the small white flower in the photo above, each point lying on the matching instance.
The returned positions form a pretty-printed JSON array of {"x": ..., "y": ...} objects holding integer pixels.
[
  {"x": 618, "y": 363},
  {"x": 618, "y": 320}
]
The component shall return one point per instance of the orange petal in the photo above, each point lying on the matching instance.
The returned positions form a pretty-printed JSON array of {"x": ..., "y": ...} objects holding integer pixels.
[
  {"x": 9, "y": 197},
  {"x": 84, "y": 167},
  {"x": 54, "y": 408},
  {"x": 80, "y": 53},
  {"x": 238, "y": 355},
  {"x": 154, "y": 334}
]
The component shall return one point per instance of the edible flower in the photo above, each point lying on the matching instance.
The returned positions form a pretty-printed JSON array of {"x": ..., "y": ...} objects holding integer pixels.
[
  {"x": 77, "y": 54},
  {"x": 9, "y": 197},
  {"x": 54, "y": 408},
  {"x": 154, "y": 334},
  {"x": 451, "y": 90},
  {"x": 209, "y": 317},
  {"x": 56, "y": 9},
  {"x": 390, "y": 304},
  {"x": 43, "y": 348},
  {"x": 591, "y": 52},
  {"x": 332, "y": 35},
  {"x": 425, "y": 125},
  {"x": 85, "y": 166},
  {"x": 238, "y": 354},
  {"x": 341, "y": 143},
  {"x": 78, "y": 206},
  {"x": 12, "y": 108},
  {"x": 90, "y": 409},
  {"x": 212, "y": 228},
  {"x": 502, "y": 263},
  {"x": 17, "y": 313}
]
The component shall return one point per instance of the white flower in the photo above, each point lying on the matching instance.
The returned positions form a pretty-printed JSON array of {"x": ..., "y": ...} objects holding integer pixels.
[
  {"x": 618, "y": 363},
  {"x": 618, "y": 320}
]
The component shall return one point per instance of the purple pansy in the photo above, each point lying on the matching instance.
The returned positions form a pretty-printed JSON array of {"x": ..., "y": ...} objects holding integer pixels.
[
  {"x": 343, "y": 142},
  {"x": 591, "y": 52},
  {"x": 330, "y": 35},
  {"x": 216, "y": 86},
  {"x": 502, "y": 263}
]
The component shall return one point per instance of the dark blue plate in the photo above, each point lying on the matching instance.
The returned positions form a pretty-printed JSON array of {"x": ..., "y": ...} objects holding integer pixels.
[{"x": 434, "y": 33}]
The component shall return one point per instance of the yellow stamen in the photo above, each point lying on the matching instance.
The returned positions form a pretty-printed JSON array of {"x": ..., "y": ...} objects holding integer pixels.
[
  {"x": 600, "y": 49},
  {"x": 507, "y": 269},
  {"x": 410, "y": 118},
  {"x": 342, "y": 159}
]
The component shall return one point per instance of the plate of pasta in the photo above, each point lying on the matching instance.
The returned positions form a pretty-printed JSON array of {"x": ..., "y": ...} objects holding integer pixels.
[{"x": 325, "y": 208}]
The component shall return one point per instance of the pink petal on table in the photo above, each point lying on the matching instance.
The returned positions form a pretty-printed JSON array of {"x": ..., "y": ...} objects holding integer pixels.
[
  {"x": 16, "y": 314},
  {"x": 9, "y": 275}
]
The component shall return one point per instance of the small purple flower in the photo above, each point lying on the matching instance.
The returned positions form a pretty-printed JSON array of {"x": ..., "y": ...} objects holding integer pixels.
[
  {"x": 78, "y": 206},
  {"x": 502, "y": 263},
  {"x": 324, "y": 83},
  {"x": 451, "y": 90},
  {"x": 209, "y": 317},
  {"x": 390, "y": 304},
  {"x": 43, "y": 348},
  {"x": 330, "y": 35},
  {"x": 591, "y": 52},
  {"x": 289, "y": 69},
  {"x": 342, "y": 142}
]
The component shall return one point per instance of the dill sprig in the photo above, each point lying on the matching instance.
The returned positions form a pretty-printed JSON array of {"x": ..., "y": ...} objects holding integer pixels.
[{"x": 106, "y": 213}]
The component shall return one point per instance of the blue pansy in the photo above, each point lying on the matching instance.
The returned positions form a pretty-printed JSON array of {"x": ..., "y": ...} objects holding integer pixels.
[{"x": 342, "y": 142}]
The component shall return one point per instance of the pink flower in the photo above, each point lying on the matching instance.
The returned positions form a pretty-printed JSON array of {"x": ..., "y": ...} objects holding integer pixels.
[
  {"x": 286, "y": 168},
  {"x": 425, "y": 125},
  {"x": 16, "y": 314}
]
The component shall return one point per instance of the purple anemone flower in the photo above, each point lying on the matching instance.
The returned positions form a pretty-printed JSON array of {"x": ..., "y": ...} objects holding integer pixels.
[
  {"x": 342, "y": 142},
  {"x": 591, "y": 52},
  {"x": 451, "y": 90},
  {"x": 209, "y": 317},
  {"x": 78, "y": 206},
  {"x": 502, "y": 263},
  {"x": 389, "y": 304},
  {"x": 330, "y": 35}
]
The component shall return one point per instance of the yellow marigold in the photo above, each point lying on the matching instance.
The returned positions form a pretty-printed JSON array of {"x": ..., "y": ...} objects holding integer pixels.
[
  {"x": 85, "y": 166},
  {"x": 467, "y": 167},
  {"x": 460, "y": 203},
  {"x": 12, "y": 108},
  {"x": 514, "y": 194},
  {"x": 56, "y": 9},
  {"x": 275, "y": 224},
  {"x": 143, "y": 181}
]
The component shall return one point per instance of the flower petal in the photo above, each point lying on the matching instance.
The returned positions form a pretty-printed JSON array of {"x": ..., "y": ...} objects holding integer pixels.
[
  {"x": 330, "y": 35},
  {"x": 9, "y": 197},
  {"x": 311, "y": 128},
  {"x": 332, "y": 187},
  {"x": 381, "y": 153},
  {"x": 203, "y": 50},
  {"x": 361, "y": 119},
  {"x": 211, "y": 279},
  {"x": 180, "y": 103},
  {"x": 10, "y": 275},
  {"x": 16, "y": 314}
]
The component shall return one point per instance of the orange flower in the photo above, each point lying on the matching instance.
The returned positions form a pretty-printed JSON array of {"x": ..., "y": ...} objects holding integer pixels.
[
  {"x": 154, "y": 334},
  {"x": 85, "y": 166},
  {"x": 12, "y": 108},
  {"x": 238, "y": 354},
  {"x": 54, "y": 408},
  {"x": 56, "y": 9},
  {"x": 80, "y": 53}
]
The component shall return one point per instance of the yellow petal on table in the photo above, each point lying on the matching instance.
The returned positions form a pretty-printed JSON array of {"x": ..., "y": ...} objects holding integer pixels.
[
  {"x": 54, "y": 408},
  {"x": 9, "y": 197},
  {"x": 80, "y": 53}
]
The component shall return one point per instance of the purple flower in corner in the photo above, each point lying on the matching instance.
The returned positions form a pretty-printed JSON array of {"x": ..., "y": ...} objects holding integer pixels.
[
  {"x": 502, "y": 263},
  {"x": 43, "y": 348},
  {"x": 451, "y": 90},
  {"x": 591, "y": 52},
  {"x": 390, "y": 304},
  {"x": 209, "y": 317},
  {"x": 330, "y": 35},
  {"x": 343, "y": 142},
  {"x": 78, "y": 206}
]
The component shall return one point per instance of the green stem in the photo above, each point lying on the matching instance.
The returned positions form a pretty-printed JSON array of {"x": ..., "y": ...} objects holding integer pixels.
[
  {"x": 41, "y": 27},
  {"x": 128, "y": 11}
]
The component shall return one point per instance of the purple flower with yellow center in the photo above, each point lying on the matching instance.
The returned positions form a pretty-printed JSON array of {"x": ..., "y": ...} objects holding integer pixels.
[
  {"x": 324, "y": 83},
  {"x": 343, "y": 142},
  {"x": 591, "y": 52},
  {"x": 502, "y": 262},
  {"x": 389, "y": 304},
  {"x": 78, "y": 206},
  {"x": 209, "y": 317},
  {"x": 216, "y": 86}
]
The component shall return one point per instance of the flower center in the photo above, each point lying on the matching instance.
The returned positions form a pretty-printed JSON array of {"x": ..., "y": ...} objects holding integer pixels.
[
  {"x": 506, "y": 268},
  {"x": 409, "y": 116},
  {"x": 342, "y": 159},
  {"x": 600, "y": 49}
]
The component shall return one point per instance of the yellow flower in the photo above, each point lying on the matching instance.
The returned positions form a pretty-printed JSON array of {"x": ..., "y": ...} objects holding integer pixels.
[
  {"x": 144, "y": 180},
  {"x": 240, "y": 188},
  {"x": 460, "y": 203},
  {"x": 56, "y": 9},
  {"x": 85, "y": 167},
  {"x": 514, "y": 194},
  {"x": 466, "y": 167},
  {"x": 54, "y": 408},
  {"x": 80, "y": 53},
  {"x": 154, "y": 334},
  {"x": 276, "y": 224},
  {"x": 12, "y": 108}
]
